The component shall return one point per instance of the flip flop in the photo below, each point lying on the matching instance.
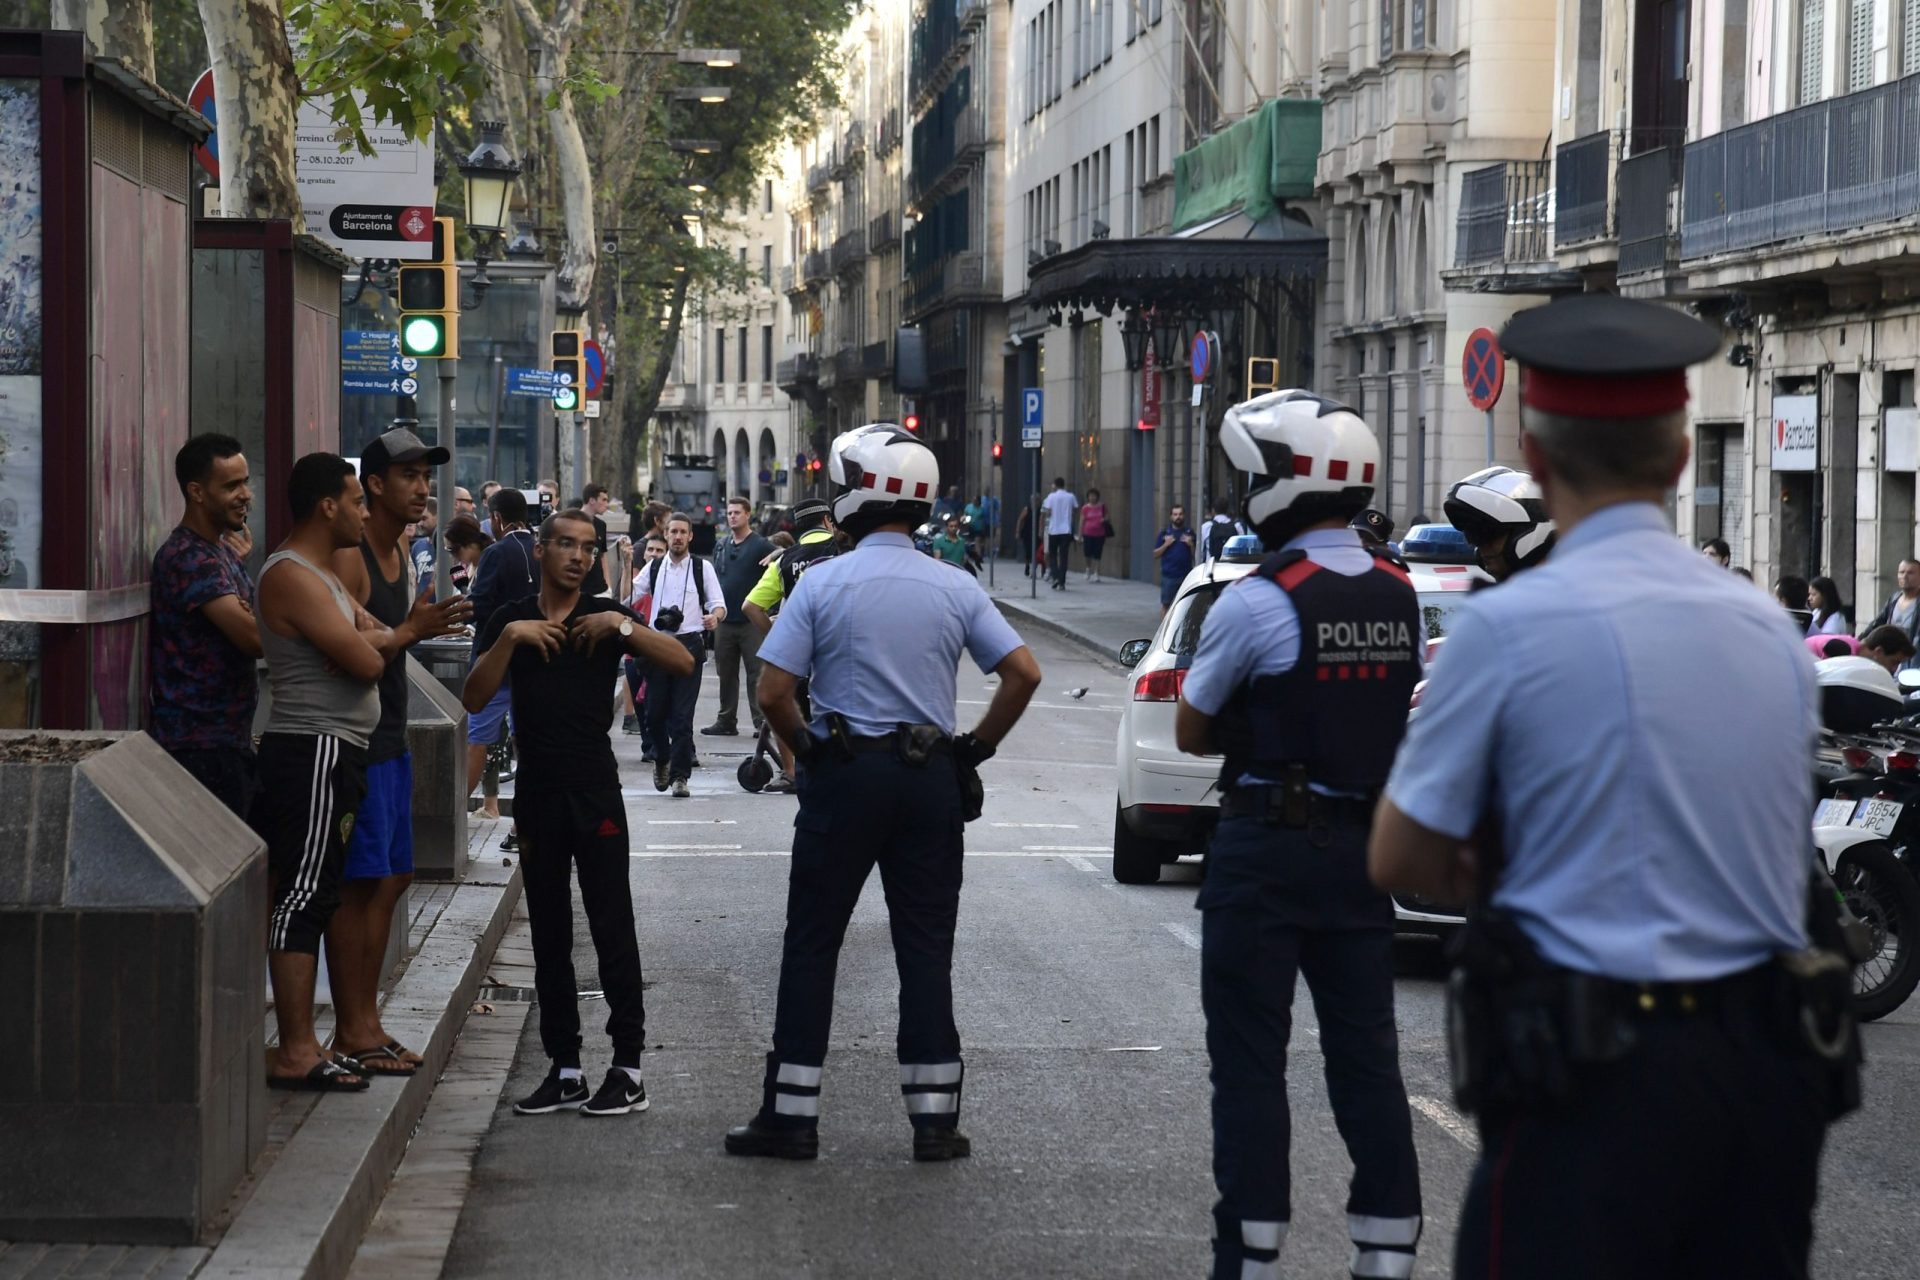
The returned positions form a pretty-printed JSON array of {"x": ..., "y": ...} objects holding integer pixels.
[
  {"x": 326, "y": 1077},
  {"x": 389, "y": 1059}
]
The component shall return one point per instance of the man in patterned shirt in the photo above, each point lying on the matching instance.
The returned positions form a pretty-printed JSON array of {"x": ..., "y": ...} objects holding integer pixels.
[{"x": 202, "y": 640}]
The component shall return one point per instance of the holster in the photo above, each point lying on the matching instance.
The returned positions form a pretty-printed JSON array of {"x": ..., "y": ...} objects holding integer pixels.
[
  {"x": 916, "y": 743},
  {"x": 973, "y": 796},
  {"x": 1820, "y": 990}
]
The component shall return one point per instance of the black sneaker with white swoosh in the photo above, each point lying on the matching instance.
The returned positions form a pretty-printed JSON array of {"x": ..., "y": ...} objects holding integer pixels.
[
  {"x": 556, "y": 1093},
  {"x": 618, "y": 1095}
]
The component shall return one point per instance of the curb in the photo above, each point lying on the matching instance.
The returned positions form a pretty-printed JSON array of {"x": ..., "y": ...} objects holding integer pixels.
[
  {"x": 1021, "y": 613},
  {"x": 306, "y": 1217}
]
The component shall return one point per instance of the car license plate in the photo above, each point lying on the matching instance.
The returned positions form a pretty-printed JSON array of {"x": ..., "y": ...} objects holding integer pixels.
[
  {"x": 1834, "y": 813},
  {"x": 1877, "y": 816}
]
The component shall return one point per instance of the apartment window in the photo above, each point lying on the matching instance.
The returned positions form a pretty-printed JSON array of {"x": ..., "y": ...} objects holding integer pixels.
[
  {"x": 766, "y": 200},
  {"x": 1859, "y": 45},
  {"x": 1386, "y": 29},
  {"x": 1153, "y": 147},
  {"x": 766, "y": 353},
  {"x": 743, "y": 355},
  {"x": 1079, "y": 41},
  {"x": 1813, "y": 25},
  {"x": 1106, "y": 28},
  {"x": 1133, "y": 19},
  {"x": 766, "y": 265},
  {"x": 743, "y": 259},
  {"x": 1106, "y": 185},
  {"x": 719, "y": 355},
  {"x": 1127, "y": 183},
  {"x": 1155, "y": 12}
]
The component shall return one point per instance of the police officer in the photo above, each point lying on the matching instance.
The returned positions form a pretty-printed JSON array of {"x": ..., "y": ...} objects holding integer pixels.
[
  {"x": 878, "y": 632},
  {"x": 1636, "y": 724},
  {"x": 1504, "y": 517},
  {"x": 1302, "y": 678}
]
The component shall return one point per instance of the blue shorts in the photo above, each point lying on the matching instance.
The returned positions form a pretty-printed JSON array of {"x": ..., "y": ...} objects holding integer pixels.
[
  {"x": 484, "y": 725},
  {"x": 383, "y": 828},
  {"x": 1169, "y": 588}
]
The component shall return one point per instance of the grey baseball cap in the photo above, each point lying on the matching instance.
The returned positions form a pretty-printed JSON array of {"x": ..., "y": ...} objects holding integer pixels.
[{"x": 397, "y": 446}]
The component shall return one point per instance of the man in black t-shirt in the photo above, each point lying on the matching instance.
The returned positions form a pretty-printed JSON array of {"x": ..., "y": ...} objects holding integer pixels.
[
  {"x": 563, "y": 652},
  {"x": 594, "y": 501}
]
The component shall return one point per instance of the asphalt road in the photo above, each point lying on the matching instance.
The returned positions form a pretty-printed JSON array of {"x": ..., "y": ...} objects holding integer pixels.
[{"x": 1078, "y": 1004}]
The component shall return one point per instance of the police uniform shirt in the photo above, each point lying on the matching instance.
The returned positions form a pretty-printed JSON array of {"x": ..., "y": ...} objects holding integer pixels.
[
  {"x": 880, "y": 631},
  {"x": 1641, "y": 722},
  {"x": 1253, "y": 629}
]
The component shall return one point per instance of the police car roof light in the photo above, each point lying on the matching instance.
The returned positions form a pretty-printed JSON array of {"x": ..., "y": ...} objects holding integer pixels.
[{"x": 1244, "y": 548}]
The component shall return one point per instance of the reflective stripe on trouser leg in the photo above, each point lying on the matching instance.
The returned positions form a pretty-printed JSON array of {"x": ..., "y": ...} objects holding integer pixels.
[
  {"x": 932, "y": 1092},
  {"x": 1260, "y": 1249},
  {"x": 792, "y": 1092},
  {"x": 1383, "y": 1248}
]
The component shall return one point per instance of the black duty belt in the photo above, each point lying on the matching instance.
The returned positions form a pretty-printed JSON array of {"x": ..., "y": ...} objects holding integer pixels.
[
  {"x": 1750, "y": 988},
  {"x": 1270, "y": 802},
  {"x": 888, "y": 743}
]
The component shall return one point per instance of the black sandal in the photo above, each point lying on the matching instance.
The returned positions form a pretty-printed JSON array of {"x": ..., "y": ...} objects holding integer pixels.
[
  {"x": 373, "y": 1060},
  {"x": 326, "y": 1077}
]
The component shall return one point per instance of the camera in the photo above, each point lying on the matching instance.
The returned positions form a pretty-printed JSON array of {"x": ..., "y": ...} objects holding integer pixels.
[{"x": 669, "y": 618}]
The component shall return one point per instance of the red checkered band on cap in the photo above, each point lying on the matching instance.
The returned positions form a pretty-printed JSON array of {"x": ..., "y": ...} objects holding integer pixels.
[
  {"x": 1336, "y": 468},
  {"x": 1576, "y": 395},
  {"x": 893, "y": 484},
  {"x": 920, "y": 490},
  {"x": 1302, "y": 465},
  {"x": 1366, "y": 474}
]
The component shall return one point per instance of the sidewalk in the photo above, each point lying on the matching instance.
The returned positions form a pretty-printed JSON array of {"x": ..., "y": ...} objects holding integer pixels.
[{"x": 1100, "y": 616}]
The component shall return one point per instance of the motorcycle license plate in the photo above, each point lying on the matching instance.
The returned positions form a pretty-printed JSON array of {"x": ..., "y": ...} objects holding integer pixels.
[
  {"x": 1877, "y": 816},
  {"x": 1834, "y": 813}
]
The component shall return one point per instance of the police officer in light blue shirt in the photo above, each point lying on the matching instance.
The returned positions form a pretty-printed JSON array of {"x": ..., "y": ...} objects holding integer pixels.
[
  {"x": 1636, "y": 726},
  {"x": 1302, "y": 679},
  {"x": 878, "y": 632}
]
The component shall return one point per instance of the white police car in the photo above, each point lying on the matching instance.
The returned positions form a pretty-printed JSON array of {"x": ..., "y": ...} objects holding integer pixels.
[{"x": 1168, "y": 802}]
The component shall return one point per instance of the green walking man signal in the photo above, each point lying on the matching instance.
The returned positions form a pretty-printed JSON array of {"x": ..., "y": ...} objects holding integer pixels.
[
  {"x": 430, "y": 300},
  {"x": 569, "y": 369}
]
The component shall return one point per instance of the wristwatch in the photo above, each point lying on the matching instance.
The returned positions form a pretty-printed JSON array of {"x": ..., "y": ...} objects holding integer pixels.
[{"x": 626, "y": 628}]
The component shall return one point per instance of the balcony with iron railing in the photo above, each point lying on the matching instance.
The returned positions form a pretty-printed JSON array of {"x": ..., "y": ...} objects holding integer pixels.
[
  {"x": 889, "y": 132},
  {"x": 788, "y": 281},
  {"x": 956, "y": 279},
  {"x": 847, "y": 365},
  {"x": 940, "y": 39},
  {"x": 883, "y": 232},
  {"x": 820, "y": 176},
  {"x": 848, "y": 252},
  {"x": 1646, "y": 200},
  {"x": 1504, "y": 231},
  {"x": 797, "y": 373},
  {"x": 814, "y": 268},
  {"x": 946, "y": 152},
  {"x": 1582, "y": 199},
  {"x": 1845, "y": 168}
]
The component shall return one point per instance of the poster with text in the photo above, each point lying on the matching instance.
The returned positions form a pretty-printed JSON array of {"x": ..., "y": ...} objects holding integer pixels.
[{"x": 20, "y": 227}]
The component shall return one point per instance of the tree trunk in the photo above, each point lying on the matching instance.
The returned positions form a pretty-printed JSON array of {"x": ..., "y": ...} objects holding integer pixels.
[
  {"x": 504, "y": 98},
  {"x": 618, "y": 451},
  {"x": 259, "y": 97},
  {"x": 117, "y": 28},
  {"x": 581, "y": 254}
]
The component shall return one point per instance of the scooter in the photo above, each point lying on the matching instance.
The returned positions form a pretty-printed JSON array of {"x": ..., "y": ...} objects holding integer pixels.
[{"x": 758, "y": 769}]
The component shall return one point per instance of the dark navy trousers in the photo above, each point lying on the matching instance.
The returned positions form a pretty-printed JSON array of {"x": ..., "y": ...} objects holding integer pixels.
[
  {"x": 1279, "y": 902},
  {"x": 872, "y": 810}
]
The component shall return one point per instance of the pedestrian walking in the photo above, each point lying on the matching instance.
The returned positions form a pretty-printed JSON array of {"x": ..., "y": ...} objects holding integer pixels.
[
  {"x": 1221, "y": 529},
  {"x": 813, "y": 523},
  {"x": 594, "y": 500},
  {"x": 559, "y": 652},
  {"x": 1503, "y": 516},
  {"x": 378, "y": 575},
  {"x": 323, "y": 659},
  {"x": 1095, "y": 529},
  {"x": 878, "y": 634},
  {"x": 638, "y": 721},
  {"x": 1174, "y": 551},
  {"x": 1650, "y": 1050},
  {"x": 203, "y": 640},
  {"x": 1059, "y": 507},
  {"x": 1023, "y": 533},
  {"x": 506, "y": 572},
  {"x": 420, "y": 548},
  {"x": 736, "y": 644},
  {"x": 687, "y": 602},
  {"x": 1831, "y": 617},
  {"x": 1302, "y": 679},
  {"x": 949, "y": 545}
]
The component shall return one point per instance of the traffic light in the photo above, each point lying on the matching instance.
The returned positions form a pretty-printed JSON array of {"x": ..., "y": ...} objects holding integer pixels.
[
  {"x": 430, "y": 300},
  {"x": 912, "y": 423},
  {"x": 569, "y": 370},
  {"x": 996, "y": 453}
]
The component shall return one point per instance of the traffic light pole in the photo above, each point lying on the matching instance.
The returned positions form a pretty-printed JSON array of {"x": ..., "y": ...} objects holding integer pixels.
[{"x": 444, "y": 482}]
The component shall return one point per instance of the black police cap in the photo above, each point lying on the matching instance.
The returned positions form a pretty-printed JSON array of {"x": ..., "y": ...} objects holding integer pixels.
[{"x": 1598, "y": 335}]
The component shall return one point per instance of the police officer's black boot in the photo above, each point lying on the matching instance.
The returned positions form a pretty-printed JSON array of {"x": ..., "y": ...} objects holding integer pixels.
[
  {"x": 756, "y": 1138},
  {"x": 941, "y": 1144}
]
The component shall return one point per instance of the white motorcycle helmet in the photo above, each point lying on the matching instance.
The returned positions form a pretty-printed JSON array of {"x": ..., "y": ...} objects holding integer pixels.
[
  {"x": 881, "y": 473},
  {"x": 1500, "y": 500},
  {"x": 1309, "y": 458}
]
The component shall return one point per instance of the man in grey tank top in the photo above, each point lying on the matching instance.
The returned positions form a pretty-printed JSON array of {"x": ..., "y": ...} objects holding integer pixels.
[
  {"x": 378, "y": 575},
  {"x": 324, "y": 654}
]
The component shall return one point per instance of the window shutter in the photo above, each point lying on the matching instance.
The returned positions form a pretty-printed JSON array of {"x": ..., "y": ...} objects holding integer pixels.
[
  {"x": 1860, "y": 46},
  {"x": 1910, "y": 37},
  {"x": 1813, "y": 15}
]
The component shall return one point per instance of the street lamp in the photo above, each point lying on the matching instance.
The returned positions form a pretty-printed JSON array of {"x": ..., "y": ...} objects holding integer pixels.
[
  {"x": 694, "y": 146},
  {"x": 1167, "y": 327},
  {"x": 1133, "y": 336},
  {"x": 489, "y": 172},
  {"x": 704, "y": 93}
]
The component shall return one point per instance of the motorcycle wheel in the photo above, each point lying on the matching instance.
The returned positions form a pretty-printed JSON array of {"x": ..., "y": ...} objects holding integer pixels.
[{"x": 1880, "y": 890}]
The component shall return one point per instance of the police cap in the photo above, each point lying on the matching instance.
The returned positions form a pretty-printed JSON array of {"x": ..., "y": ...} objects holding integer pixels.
[
  {"x": 1594, "y": 355},
  {"x": 1372, "y": 524}
]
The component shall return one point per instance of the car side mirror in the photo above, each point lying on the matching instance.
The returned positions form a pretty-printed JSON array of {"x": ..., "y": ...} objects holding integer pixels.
[
  {"x": 1909, "y": 679},
  {"x": 1133, "y": 650}
]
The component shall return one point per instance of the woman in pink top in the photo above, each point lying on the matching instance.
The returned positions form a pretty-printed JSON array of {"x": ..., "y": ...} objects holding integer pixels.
[{"x": 1094, "y": 529}]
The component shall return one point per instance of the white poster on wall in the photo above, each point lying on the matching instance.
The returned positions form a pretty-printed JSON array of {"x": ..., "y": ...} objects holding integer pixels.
[
  {"x": 377, "y": 206},
  {"x": 1902, "y": 436},
  {"x": 1796, "y": 433}
]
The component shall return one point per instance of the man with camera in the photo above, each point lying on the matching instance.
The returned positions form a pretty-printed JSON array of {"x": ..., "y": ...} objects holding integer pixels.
[
  {"x": 563, "y": 652},
  {"x": 688, "y": 604}
]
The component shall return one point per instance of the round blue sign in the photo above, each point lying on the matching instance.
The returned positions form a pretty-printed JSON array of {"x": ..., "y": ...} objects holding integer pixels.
[{"x": 1200, "y": 356}]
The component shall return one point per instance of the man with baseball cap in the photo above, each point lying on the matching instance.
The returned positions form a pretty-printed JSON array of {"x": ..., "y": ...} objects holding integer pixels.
[{"x": 378, "y": 575}]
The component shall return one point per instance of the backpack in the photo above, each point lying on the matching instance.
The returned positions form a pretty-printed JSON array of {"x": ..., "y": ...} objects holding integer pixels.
[
  {"x": 1219, "y": 533},
  {"x": 699, "y": 580}
]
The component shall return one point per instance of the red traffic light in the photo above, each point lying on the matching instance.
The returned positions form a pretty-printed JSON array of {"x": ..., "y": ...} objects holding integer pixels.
[
  {"x": 996, "y": 451},
  {"x": 912, "y": 422}
]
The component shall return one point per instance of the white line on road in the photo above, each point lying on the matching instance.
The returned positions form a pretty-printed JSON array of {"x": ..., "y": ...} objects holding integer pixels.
[
  {"x": 735, "y": 851},
  {"x": 1451, "y": 1122},
  {"x": 1050, "y": 764},
  {"x": 691, "y": 822},
  {"x": 721, "y": 848},
  {"x": 1066, "y": 848},
  {"x": 1183, "y": 932},
  {"x": 1044, "y": 706},
  {"x": 1081, "y": 864},
  {"x": 1050, "y": 826}
]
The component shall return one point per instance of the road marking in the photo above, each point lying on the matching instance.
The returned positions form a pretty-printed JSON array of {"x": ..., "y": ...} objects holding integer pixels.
[
  {"x": 691, "y": 822},
  {"x": 1049, "y": 764},
  {"x": 1051, "y": 826},
  {"x": 1082, "y": 864},
  {"x": 664, "y": 848},
  {"x": 1451, "y": 1122},
  {"x": 1066, "y": 848},
  {"x": 1183, "y": 932},
  {"x": 1044, "y": 706},
  {"x": 735, "y": 851}
]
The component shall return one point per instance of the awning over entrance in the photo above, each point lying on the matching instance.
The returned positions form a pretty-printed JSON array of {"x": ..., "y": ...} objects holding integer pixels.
[{"x": 1183, "y": 270}]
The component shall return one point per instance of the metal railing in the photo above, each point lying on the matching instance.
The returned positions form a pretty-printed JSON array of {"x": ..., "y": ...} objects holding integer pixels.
[
  {"x": 1831, "y": 166},
  {"x": 889, "y": 131},
  {"x": 819, "y": 175},
  {"x": 854, "y": 141},
  {"x": 814, "y": 266},
  {"x": 1645, "y": 189},
  {"x": 1580, "y": 189},
  {"x": 847, "y": 364},
  {"x": 849, "y": 251},
  {"x": 1506, "y": 214},
  {"x": 796, "y": 371},
  {"x": 787, "y": 282},
  {"x": 883, "y": 232}
]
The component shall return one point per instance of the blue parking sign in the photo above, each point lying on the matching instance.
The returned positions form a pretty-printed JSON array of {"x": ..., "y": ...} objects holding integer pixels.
[{"x": 1032, "y": 405}]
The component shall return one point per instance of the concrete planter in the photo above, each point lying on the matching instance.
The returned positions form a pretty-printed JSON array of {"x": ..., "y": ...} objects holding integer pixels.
[
  {"x": 132, "y": 924},
  {"x": 437, "y": 740}
]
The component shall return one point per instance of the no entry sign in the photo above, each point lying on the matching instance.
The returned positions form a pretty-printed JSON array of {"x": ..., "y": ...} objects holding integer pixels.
[{"x": 1483, "y": 370}]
